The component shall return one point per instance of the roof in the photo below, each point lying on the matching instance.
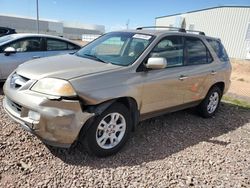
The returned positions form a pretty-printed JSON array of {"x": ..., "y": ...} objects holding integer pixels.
[
  {"x": 203, "y": 10},
  {"x": 21, "y": 35}
]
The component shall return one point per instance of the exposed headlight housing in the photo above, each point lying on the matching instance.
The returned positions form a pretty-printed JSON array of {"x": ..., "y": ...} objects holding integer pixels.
[{"x": 53, "y": 86}]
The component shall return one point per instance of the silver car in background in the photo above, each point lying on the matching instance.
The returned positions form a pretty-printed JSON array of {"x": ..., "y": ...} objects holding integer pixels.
[{"x": 16, "y": 49}]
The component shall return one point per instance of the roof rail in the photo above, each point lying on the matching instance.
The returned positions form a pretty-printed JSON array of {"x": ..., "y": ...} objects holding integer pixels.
[
  {"x": 195, "y": 31},
  {"x": 164, "y": 27},
  {"x": 172, "y": 29}
]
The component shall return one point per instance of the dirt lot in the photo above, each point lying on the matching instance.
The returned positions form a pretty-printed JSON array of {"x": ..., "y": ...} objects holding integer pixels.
[
  {"x": 240, "y": 86},
  {"x": 175, "y": 150}
]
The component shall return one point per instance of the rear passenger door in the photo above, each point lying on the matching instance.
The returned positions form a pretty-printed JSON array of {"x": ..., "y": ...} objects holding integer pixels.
[
  {"x": 58, "y": 47},
  {"x": 198, "y": 69}
]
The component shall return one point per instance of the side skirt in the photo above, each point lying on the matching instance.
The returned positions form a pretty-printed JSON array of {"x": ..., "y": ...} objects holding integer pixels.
[{"x": 168, "y": 110}]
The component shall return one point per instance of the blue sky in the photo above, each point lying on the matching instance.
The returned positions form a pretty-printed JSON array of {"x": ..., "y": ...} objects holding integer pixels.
[{"x": 113, "y": 14}]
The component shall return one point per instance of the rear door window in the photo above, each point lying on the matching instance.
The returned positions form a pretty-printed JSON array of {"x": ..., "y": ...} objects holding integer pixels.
[
  {"x": 55, "y": 45},
  {"x": 197, "y": 52},
  {"x": 219, "y": 49}
]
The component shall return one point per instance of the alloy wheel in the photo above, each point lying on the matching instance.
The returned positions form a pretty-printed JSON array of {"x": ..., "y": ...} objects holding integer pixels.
[
  {"x": 111, "y": 130},
  {"x": 213, "y": 102}
]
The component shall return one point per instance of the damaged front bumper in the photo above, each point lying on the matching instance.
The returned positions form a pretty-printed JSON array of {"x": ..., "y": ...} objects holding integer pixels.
[{"x": 55, "y": 122}]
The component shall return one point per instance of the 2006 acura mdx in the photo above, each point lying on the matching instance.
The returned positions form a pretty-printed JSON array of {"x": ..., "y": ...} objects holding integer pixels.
[{"x": 98, "y": 95}]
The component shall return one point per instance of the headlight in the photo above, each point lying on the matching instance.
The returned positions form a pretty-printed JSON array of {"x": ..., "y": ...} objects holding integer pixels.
[{"x": 53, "y": 86}]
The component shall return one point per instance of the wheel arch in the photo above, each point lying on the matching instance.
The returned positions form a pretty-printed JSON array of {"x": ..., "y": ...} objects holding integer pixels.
[
  {"x": 132, "y": 106},
  {"x": 97, "y": 109},
  {"x": 220, "y": 85},
  {"x": 202, "y": 107}
]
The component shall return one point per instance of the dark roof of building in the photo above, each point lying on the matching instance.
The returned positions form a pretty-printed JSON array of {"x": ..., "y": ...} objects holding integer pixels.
[{"x": 203, "y": 10}]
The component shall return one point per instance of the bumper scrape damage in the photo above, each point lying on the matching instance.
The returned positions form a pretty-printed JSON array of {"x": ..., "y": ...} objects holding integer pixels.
[{"x": 55, "y": 122}]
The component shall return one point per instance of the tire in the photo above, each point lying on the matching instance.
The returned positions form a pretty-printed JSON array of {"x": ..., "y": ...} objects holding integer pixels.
[
  {"x": 109, "y": 131},
  {"x": 209, "y": 106}
]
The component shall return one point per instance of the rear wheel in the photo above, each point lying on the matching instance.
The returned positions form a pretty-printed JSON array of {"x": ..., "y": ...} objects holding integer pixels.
[
  {"x": 109, "y": 131},
  {"x": 210, "y": 104}
]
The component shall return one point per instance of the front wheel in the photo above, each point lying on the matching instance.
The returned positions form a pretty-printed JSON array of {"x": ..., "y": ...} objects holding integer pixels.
[
  {"x": 109, "y": 131},
  {"x": 210, "y": 104}
]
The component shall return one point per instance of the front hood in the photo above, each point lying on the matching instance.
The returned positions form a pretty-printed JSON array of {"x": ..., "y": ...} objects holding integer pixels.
[{"x": 64, "y": 67}]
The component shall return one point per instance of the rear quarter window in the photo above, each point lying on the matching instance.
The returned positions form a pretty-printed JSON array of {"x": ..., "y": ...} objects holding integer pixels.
[
  {"x": 219, "y": 49},
  {"x": 73, "y": 47}
]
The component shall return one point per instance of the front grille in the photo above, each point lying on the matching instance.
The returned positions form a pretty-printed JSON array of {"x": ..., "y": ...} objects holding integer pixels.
[
  {"x": 18, "y": 81},
  {"x": 14, "y": 106}
]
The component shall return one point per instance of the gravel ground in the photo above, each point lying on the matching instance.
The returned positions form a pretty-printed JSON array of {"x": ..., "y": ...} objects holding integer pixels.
[{"x": 175, "y": 150}]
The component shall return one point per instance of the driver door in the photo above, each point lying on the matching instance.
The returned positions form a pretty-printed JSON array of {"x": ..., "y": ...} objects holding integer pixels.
[
  {"x": 165, "y": 88},
  {"x": 26, "y": 49}
]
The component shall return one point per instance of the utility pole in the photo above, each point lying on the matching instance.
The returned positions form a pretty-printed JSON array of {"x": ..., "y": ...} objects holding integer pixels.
[
  {"x": 37, "y": 16},
  {"x": 127, "y": 24}
]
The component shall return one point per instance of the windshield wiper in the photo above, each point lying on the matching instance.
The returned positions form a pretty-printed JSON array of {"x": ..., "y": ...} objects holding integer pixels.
[{"x": 95, "y": 57}]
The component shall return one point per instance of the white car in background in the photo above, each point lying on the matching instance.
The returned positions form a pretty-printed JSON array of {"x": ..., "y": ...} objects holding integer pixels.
[{"x": 16, "y": 49}]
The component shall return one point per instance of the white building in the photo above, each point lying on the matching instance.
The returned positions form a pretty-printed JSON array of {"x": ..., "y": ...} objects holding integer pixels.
[
  {"x": 229, "y": 23},
  {"x": 71, "y": 30}
]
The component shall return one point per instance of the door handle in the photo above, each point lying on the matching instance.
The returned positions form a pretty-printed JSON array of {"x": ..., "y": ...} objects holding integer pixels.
[
  {"x": 183, "y": 77},
  {"x": 213, "y": 72},
  {"x": 36, "y": 57}
]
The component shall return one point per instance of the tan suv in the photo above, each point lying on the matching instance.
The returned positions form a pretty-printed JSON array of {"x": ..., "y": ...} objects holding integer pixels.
[{"x": 100, "y": 93}]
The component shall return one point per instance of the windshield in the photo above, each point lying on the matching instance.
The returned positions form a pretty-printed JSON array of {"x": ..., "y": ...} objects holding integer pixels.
[
  {"x": 6, "y": 38},
  {"x": 119, "y": 48}
]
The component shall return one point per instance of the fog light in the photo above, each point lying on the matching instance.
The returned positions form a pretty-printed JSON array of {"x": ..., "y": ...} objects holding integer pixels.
[{"x": 34, "y": 115}]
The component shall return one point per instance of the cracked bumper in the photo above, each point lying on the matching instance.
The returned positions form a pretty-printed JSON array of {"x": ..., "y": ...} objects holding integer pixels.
[{"x": 57, "y": 122}]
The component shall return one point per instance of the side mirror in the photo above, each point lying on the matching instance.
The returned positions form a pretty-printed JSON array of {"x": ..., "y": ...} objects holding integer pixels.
[
  {"x": 156, "y": 63},
  {"x": 9, "y": 50}
]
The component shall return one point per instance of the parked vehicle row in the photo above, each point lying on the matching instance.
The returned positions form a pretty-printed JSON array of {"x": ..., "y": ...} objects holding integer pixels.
[
  {"x": 6, "y": 31},
  {"x": 99, "y": 94}
]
